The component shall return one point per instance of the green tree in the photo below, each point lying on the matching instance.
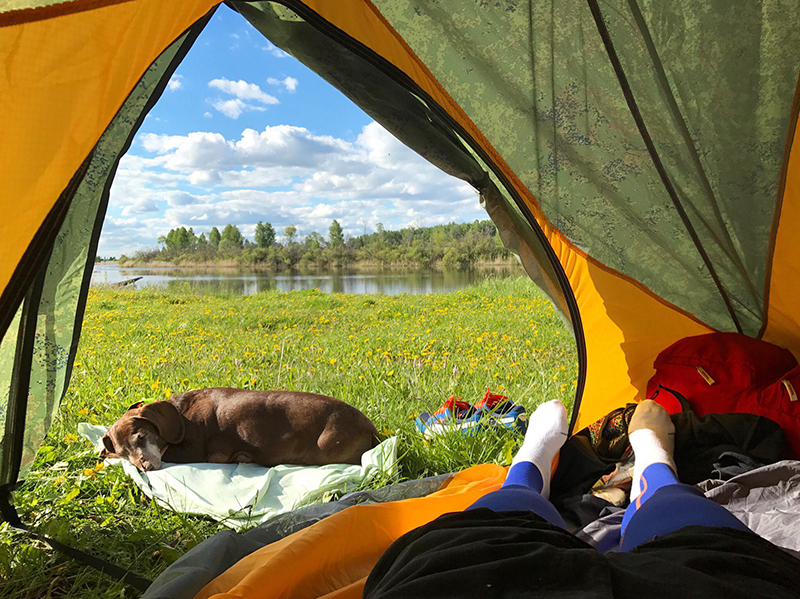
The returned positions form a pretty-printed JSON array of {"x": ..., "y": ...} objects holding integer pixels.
[
  {"x": 179, "y": 241},
  {"x": 290, "y": 232},
  {"x": 335, "y": 234},
  {"x": 231, "y": 239},
  {"x": 265, "y": 235},
  {"x": 312, "y": 249},
  {"x": 213, "y": 238},
  {"x": 336, "y": 253}
]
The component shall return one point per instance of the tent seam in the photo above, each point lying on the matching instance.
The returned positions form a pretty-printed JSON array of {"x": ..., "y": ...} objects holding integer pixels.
[
  {"x": 43, "y": 13},
  {"x": 665, "y": 180},
  {"x": 773, "y": 237},
  {"x": 661, "y": 76}
]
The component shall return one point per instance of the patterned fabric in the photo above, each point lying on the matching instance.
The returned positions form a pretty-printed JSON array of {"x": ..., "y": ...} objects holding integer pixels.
[{"x": 609, "y": 435}]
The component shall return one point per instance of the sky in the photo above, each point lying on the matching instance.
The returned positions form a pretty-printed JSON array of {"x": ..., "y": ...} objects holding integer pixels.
[{"x": 246, "y": 133}]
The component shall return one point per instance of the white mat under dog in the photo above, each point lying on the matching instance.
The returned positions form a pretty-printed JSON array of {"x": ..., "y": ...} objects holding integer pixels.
[{"x": 240, "y": 495}]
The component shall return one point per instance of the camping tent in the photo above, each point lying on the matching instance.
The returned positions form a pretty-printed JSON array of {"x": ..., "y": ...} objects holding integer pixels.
[{"x": 636, "y": 155}]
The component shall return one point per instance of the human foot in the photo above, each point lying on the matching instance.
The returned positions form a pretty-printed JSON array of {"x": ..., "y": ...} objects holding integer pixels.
[
  {"x": 652, "y": 436},
  {"x": 546, "y": 434}
]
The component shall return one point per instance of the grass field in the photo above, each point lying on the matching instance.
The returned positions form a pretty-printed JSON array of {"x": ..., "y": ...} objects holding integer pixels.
[{"x": 390, "y": 356}]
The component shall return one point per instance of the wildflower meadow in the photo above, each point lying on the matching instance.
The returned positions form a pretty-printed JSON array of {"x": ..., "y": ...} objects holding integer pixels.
[{"x": 390, "y": 356}]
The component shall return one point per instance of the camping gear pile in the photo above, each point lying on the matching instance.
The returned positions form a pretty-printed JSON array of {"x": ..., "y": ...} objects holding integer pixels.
[{"x": 639, "y": 157}]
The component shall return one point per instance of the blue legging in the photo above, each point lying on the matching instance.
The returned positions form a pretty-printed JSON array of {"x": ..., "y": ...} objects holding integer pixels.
[
  {"x": 521, "y": 492},
  {"x": 664, "y": 506}
]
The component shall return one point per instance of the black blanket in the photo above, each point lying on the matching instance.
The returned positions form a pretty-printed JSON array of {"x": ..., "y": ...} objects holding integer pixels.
[{"x": 484, "y": 554}]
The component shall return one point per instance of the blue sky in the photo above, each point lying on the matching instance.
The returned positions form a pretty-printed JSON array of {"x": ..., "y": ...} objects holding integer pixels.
[{"x": 245, "y": 133}]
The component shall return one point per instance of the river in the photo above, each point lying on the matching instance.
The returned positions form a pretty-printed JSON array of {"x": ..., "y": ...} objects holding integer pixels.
[{"x": 248, "y": 282}]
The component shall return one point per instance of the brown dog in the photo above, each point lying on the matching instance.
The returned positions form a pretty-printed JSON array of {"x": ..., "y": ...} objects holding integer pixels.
[{"x": 226, "y": 426}]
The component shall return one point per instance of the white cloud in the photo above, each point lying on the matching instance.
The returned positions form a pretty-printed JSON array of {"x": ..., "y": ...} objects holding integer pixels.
[
  {"x": 290, "y": 83},
  {"x": 248, "y": 97},
  {"x": 243, "y": 90},
  {"x": 283, "y": 174},
  {"x": 175, "y": 83},
  {"x": 179, "y": 198},
  {"x": 282, "y": 146},
  {"x": 235, "y": 107},
  {"x": 142, "y": 206},
  {"x": 274, "y": 50},
  {"x": 207, "y": 115}
]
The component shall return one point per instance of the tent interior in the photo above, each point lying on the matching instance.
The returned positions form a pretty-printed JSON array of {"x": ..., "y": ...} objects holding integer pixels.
[{"x": 636, "y": 156}]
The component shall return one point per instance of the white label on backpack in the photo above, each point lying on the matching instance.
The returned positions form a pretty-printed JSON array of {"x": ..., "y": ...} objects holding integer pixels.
[
  {"x": 790, "y": 390},
  {"x": 706, "y": 377}
]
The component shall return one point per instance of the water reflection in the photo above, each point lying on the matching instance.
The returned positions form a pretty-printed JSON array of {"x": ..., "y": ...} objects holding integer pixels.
[{"x": 233, "y": 282}]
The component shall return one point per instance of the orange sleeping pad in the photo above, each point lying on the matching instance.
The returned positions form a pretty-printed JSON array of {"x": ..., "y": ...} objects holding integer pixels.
[{"x": 333, "y": 557}]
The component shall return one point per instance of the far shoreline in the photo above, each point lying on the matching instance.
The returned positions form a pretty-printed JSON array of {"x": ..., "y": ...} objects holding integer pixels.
[{"x": 232, "y": 265}]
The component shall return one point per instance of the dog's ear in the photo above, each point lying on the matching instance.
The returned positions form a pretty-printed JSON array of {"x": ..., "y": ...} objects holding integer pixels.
[
  {"x": 167, "y": 420},
  {"x": 108, "y": 449}
]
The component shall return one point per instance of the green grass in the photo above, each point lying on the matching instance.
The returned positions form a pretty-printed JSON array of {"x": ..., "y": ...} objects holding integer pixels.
[{"x": 390, "y": 356}]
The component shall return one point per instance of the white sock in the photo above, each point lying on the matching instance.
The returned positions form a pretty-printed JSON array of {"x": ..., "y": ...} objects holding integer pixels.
[
  {"x": 650, "y": 447},
  {"x": 546, "y": 434}
]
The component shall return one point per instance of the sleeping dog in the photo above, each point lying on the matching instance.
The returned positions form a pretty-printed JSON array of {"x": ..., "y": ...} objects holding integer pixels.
[{"x": 225, "y": 426}]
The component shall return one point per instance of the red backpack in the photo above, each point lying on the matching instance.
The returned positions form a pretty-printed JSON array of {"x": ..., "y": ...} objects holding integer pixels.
[{"x": 729, "y": 372}]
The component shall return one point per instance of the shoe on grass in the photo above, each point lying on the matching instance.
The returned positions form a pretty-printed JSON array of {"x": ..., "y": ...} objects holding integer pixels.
[
  {"x": 497, "y": 409},
  {"x": 451, "y": 415}
]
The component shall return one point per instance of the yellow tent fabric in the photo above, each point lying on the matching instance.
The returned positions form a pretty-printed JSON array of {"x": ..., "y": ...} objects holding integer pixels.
[
  {"x": 783, "y": 325},
  {"x": 69, "y": 66},
  {"x": 333, "y": 557},
  {"x": 67, "y": 69}
]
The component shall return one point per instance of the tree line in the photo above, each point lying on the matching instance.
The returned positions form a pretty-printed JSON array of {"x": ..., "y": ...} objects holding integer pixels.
[{"x": 456, "y": 246}]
